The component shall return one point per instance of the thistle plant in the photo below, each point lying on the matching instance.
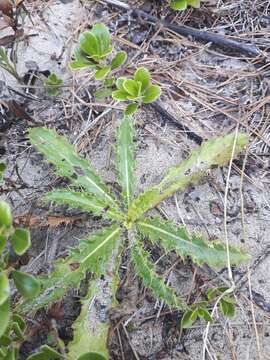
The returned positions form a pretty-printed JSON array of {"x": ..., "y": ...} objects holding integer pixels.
[
  {"x": 129, "y": 222},
  {"x": 183, "y": 4}
]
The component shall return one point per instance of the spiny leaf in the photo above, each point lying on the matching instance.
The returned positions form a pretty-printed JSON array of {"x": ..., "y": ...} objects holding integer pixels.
[
  {"x": 174, "y": 238},
  {"x": 90, "y": 255},
  {"x": 82, "y": 200},
  {"x": 90, "y": 330},
  {"x": 125, "y": 158},
  {"x": 4, "y": 288},
  {"x": 4, "y": 316},
  {"x": 59, "y": 152},
  {"x": 213, "y": 152},
  {"x": 145, "y": 270}
]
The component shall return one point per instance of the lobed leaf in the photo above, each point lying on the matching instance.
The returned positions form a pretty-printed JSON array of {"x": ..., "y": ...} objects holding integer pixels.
[
  {"x": 90, "y": 330},
  {"x": 125, "y": 163},
  {"x": 145, "y": 269},
  {"x": 91, "y": 254},
  {"x": 214, "y": 152},
  {"x": 68, "y": 163},
  {"x": 176, "y": 238},
  {"x": 83, "y": 201}
]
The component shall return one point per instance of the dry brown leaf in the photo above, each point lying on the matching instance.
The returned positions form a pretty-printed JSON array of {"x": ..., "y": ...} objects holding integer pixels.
[
  {"x": 51, "y": 221},
  {"x": 6, "y": 7}
]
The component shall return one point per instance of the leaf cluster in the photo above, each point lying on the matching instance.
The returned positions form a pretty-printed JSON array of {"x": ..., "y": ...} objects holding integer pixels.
[
  {"x": 139, "y": 90},
  {"x": 93, "y": 52}
]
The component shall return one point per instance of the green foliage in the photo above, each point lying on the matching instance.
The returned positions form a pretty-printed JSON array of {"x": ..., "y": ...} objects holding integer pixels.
[
  {"x": 139, "y": 90},
  {"x": 53, "y": 84},
  {"x": 89, "y": 193},
  {"x": 226, "y": 302},
  {"x": 212, "y": 153},
  {"x": 183, "y": 4},
  {"x": 12, "y": 326},
  {"x": 46, "y": 353},
  {"x": 7, "y": 65},
  {"x": 93, "y": 52},
  {"x": 2, "y": 170}
]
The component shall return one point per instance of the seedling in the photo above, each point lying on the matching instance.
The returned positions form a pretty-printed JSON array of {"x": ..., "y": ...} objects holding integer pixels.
[
  {"x": 7, "y": 65},
  {"x": 127, "y": 214},
  {"x": 11, "y": 325},
  {"x": 183, "y": 4},
  {"x": 53, "y": 84},
  {"x": 94, "y": 51},
  {"x": 139, "y": 90}
]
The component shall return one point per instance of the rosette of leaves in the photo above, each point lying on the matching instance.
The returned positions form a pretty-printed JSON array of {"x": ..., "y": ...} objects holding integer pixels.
[
  {"x": 139, "y": 90},
  {"x": 183, "y": 4},
  {"x": 100, "y": 253},
  {"x": 94, "y": 51},
  {"x": 12, "y": 325}
]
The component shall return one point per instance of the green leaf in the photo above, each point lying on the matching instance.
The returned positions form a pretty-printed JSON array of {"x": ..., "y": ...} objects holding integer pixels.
[
  {"x": 52, "y": 84},
  {"x": 118, "y": 60},
  {"x": 3, "y": 241},
  {"x": 179, "y": 4},
  {"x": 27, "y": 285},
  {"x": 151, "y": 94},
  {"x": 189, "y": 318},
  {"x": 4, "y": 316},
  {"x": 83, "y": 201},
  {"x": 131, "y": 87},
  {"x": 46, "y": 353},
  {"x": 5, "y": 215},
  {"x": 103, "y": 93},
  {"x": 92, "y": 356},
  {"x": 91, "y": 328},
  {"x": 120, "y": 84},
  {"x": 4, "y": 288},
  {"x": 131, "y": 109},
  {"x": 205, "y": 315},
  {"x": 194, "y": 3},
  {"x": 125, "y": 163},
  {"x": 91, "y": 254},
  {"x": 81, "y": 60},
  {"x": 119, "y": 95},
  {"x": 145, "y": 270},
  {"x": 68, "y": 164},
  {"x": 89, "y": 43},
  {"x": 227, "y": 308},
  {"x": 20, "y": 241},
  {"x": 217, "y": 151},
  {"x": 102, "y": 73},
  {"x": 143, "y": 76},
  {"x": 102, "y": 35},
  {"x": 174, "y": 238}
]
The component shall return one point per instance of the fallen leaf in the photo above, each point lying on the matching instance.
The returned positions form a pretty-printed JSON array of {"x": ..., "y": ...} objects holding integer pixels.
[
  {"x": 51, "y": 221},
  {"x": 6, "y": 7}
]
